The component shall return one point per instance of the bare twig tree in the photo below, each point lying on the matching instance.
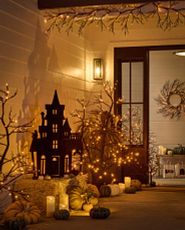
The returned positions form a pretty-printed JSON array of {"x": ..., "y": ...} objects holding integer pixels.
[
  {"x": 102, "y": 136},
  {"x": 12, "y": 165},
  {"x": 153, "y": 160}
]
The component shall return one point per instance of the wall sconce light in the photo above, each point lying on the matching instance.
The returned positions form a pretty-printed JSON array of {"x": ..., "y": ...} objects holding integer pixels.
[{"x": 97, "y": 69}]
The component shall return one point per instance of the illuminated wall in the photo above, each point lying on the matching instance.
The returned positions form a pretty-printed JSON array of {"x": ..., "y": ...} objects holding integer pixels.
[
  {"x": 36, "y": 64},
  {"x": 165, "y": 66},
  {"x": 162, "y": 68}
]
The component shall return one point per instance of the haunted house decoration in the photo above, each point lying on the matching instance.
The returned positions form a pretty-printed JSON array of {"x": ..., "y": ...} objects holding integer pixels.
[{"x": 56, "y": 151}]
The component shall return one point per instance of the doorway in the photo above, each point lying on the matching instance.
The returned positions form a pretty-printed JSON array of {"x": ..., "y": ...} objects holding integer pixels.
[{"x": 132, "y": 70}]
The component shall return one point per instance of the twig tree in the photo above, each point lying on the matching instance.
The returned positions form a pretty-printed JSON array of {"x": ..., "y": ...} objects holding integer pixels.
[
  {"x": 153, "y": 159},
  {"x": 102, "y": 136},
  {"x": 12, "y": 165}
]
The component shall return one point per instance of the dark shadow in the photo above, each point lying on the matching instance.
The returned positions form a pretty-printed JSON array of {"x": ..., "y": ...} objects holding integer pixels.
[{"x": 36, "y": 84}]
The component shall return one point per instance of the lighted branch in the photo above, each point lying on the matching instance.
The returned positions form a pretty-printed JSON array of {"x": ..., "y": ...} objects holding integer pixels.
[
  {"x": 16, "y": 163},
  {"x": 153, "y": 158},
  {"x": 168, "y": 14},
  {"x": 102, "y": 136}
]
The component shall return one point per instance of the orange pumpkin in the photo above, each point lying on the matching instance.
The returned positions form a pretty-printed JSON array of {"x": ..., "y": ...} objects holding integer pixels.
[{"x": 22, "y": 209}]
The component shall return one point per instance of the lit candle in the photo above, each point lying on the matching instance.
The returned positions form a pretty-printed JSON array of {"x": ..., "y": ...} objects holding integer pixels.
[
  {"x": 160, "y": 150},
  {"x": 121, "y": 187},
  {"x": 64, "y": 202},
  {"x": 50, "y": 206},
  {"x": 127, "y": 181}
]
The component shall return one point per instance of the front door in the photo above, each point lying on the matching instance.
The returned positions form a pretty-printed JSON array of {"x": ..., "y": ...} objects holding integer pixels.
[
  {"x": 55, "y": 166},
  {"x": 131, "y": 78}
]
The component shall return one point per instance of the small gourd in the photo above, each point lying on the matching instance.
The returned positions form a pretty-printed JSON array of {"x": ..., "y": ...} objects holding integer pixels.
[
  {"x": 87, "y": 207},
  {"x": 130, "y": 190},
  {"x": 62, "y": 214},
  {"x": 136, "y": 184},
  {"x": 105, "y": 191},
  {"x": 15, "y": 224},
  {"x": 99, "y": 213}
]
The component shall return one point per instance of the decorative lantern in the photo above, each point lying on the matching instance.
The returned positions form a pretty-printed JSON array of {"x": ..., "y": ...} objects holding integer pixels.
[{"x": 97, "y": 69}]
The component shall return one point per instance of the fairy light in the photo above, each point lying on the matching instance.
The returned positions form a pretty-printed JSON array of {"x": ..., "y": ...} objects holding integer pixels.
[
  {"x": 103, "y": 150},
  {"x": 137, "y": 154}
]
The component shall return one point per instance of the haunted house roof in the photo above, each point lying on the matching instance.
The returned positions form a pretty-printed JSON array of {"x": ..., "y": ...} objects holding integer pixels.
[
  {"x": 55, "y": 99},
  {"x": 66, "y": 125}
]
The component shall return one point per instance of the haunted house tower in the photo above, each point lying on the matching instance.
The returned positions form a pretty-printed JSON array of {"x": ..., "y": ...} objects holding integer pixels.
[{"x": 56, "y": 151}]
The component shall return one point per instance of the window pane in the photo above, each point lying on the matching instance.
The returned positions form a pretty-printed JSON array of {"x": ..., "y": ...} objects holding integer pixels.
[
  {"x": 126, "y": 122},
  {"x": 126, "y": 81},
  {"x": 137, "y": 81},
  {"x": 137, "y": 124}
]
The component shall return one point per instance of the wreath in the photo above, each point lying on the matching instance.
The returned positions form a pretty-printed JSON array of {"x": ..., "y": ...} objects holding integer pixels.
[{"x": 166, "y": 107}]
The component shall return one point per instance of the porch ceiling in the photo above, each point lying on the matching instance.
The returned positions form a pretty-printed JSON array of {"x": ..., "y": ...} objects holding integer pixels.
[{"x": 50, "y": 4}]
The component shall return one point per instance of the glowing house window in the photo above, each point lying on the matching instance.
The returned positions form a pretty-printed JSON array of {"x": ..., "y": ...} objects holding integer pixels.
[
  {"x": 55, "y": 128},
  {"x": 66, "y": 164},
  {"x": 66, "y": 134},
  {"x": 55, "y": 144},
  {"x": 44, "y": 135},
  {"x": 43, "y": 165},
  {"x": 54, "y": 111}
]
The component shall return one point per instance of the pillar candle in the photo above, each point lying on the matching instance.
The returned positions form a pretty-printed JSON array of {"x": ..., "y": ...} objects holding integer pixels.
[
  {"x": 64, "y": 201},
  {"x": 127, "y": 181},
  {"x": 50, "y": 206},
  {"x": 121, "y": 187}
]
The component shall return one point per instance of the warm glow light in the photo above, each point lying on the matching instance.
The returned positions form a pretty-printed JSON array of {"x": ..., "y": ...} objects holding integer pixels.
[
  {"x": 98, "y": 69},
  {"x": 50, "y": 205},
  {"x": 180, "y": 53}
]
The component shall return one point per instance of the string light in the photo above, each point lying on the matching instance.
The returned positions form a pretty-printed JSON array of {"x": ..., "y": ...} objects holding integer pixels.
[
  {"x": 104, "y": 141},
  {"x": 108, "y": 16}
]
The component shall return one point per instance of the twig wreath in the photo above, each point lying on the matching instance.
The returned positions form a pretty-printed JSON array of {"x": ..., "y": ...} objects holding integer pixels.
[{"x": 172, "y": 99}]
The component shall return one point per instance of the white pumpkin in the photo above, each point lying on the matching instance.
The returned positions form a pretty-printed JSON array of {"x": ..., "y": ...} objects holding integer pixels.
[{"x": 115, "y": 190}]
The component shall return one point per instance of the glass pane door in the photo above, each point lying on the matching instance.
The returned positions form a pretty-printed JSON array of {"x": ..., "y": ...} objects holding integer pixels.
[
  {"x": 132, "y": 108},
  {"x": 131, "y": 77}
]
